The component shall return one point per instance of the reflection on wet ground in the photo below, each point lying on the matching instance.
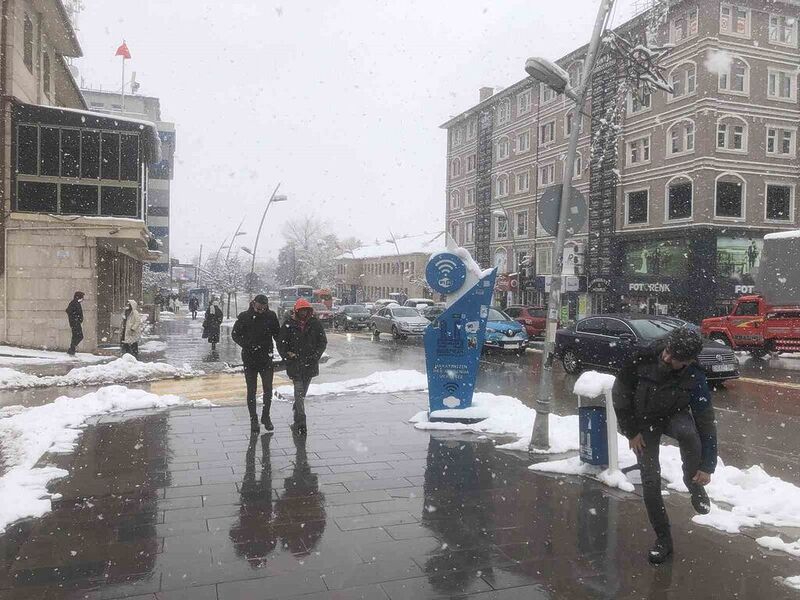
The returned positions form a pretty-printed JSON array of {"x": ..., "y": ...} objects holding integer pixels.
[{"x": 188, "y": 502}]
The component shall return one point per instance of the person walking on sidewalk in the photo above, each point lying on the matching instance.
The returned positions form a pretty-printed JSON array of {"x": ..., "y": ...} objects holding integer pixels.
[
  {"x": 301, "y": 343},
  {"x": 131, "y": 330},
  {"x": 194, "y": 304},
  {"x": 75, "y": 317},
  {"x": 254, "y": 331},
  {"x": 663, "y": 392},
  {"x": 212, "y": 324}
]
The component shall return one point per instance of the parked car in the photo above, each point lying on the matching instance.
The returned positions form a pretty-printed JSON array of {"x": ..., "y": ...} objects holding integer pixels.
[
  {"x": 418, "y": 302},
  {"x": 533, "y": 318},
  {"x": 400, "y": 321},
  {"x": 504, "y": 333},
  {"x": 370, "y": 306},
  {"x": 323, "y": 313},
  {"x": 351, "y": 316},
  {"x": 432, "y": 312},
  {"x": 606, "y": 342},
  {"x": 379, "y": 304}
]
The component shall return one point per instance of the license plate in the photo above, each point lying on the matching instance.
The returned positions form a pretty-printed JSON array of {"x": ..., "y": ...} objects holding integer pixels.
[
  {"x": 512, "y": 344},
  {"x": 718, "y": 368}
]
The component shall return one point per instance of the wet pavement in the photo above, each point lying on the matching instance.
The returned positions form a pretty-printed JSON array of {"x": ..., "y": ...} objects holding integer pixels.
[{"x": 186, "y": 504}]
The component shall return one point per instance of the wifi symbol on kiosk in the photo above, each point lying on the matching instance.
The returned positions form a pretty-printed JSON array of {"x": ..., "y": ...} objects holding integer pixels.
[
  {"x": 445, "y": 273},
  {"x": 445, "y": 266},
  {"x": 451, "y": 388}
]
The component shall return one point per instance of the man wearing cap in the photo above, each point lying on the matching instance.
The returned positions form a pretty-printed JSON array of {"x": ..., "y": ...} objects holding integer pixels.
[
  {"x": 301, "y": 343},
  {"x": 254, "y": 331},
  {"x": 662, "y": 392}
]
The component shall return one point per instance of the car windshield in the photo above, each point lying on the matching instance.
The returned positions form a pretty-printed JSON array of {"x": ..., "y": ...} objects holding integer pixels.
[
  {"x": 653, "y": 328},
  {"x": 355, "y": 310},
  {"x": 498, "y": 315},
  {"x": 405, "y": 311}
]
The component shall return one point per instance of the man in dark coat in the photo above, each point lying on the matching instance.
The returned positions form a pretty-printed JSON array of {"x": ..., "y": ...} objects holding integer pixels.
[
  {"x": 194, "y": 304},
  {"x": 212, "y": 324},
  {"x": 301, "y": 343},
  {"x": 254, "y": 331},
  {"x": 75, "y": 317},
  {"x": 660, "y": 393}
]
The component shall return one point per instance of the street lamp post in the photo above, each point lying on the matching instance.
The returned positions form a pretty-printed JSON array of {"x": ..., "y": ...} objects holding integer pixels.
[
  {"x": 544, "y": 72},
  {"x": 272, "y": 198}
]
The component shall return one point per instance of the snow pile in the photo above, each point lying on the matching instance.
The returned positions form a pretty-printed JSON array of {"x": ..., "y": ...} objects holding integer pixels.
[
  {"x": 793, "y": 582},
  {"x": 9, "y": 355},
  {"x": 382, "y": 382},
  {"x": 574, "y": 466},
  {"x": 776, "y": 543},
  {"x": 166, "y": 315},
  {"x": 30, "y": 433},
  {"x": 152, "y": 347},
  {"x": 123, "y": 369},
  {"x": 592, "y": 384},
  {"x": 504, "y": 415}
]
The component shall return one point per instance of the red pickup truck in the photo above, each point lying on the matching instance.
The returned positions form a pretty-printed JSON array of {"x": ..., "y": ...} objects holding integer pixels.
[{"x": 757, "y": 327}]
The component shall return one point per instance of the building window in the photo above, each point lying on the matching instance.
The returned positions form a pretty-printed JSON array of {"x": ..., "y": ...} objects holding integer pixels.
[
  {"x": 577, "y": 166},
  {"x": 547, "y": 174},
  {"x": 732, "y": 135},
  {"x": 684, "y": 80},
  {"x": 470, "y": 197},
  {"x": 524, "y": 141},
  {"x": 639, "y": 100},
  {"x": 524, "y": 102},
  {"x": 783, "y": 30},
  {"x": 544, "y": 260},
  {"x": 522, "y": 223},
  {"x": 575, "y": 73},
  {"x": 523, "y": 181},
  {"x": 636, "y": 207},
  {"x": 779, "y": 202},
  {"x": 454, "y": 231},
  {"x": 454, "y": 200},
  {"x": 458, "y": 134},
  {"x": 639, "y": 151},
  {"x": 469, "y": 232},
  {"x": 27, "y": 43},
  {"x": 503, "y": 148},
  {"x": 780, "y": 141},
  {"x": 782, "y": 85},
  {"x": 737, "y": 77},
  {"x": 472, "y": 129},
  {"x": 455, "y": 167},
  {"x": 546, "y": 94},
  {"x": 501, "y": 186},
  {"x": 471, "y": 163},
  {"x": 547, "y": 132},
  {"x": 679, "y": 199},
  {"x": 683, "y": 26},
  {"x": 522, "y": 260},
  {"x": 729, "y": 197},
  {"x": 681, "y": 138},
  {"x": 500, "y": 227},
  {"x": 46, "y": 72},
  {"x": 734, "y": 20},
  {"x": 504, "y": 111}
]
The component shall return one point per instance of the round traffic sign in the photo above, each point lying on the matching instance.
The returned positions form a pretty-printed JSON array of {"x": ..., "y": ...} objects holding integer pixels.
[{"x": 549, "y": 209}]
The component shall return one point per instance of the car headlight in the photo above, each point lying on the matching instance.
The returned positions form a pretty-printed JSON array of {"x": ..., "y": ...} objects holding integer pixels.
[{"x": 349, "y": 318}]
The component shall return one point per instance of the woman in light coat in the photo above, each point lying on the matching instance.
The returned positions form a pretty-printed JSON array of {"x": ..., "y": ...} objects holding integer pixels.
[{"x": 131, "y": 329}]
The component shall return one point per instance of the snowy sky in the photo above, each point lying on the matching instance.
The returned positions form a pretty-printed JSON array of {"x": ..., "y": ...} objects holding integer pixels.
[{"x": 340, "y": 101}]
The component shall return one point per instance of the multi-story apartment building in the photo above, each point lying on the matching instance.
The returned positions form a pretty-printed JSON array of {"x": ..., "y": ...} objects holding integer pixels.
[
  {"x": 73, "y": 186},
  {"x": 387, "y": 270},
  {"x": 681, "y": 197},
  {"x": 158, "y": 193}
]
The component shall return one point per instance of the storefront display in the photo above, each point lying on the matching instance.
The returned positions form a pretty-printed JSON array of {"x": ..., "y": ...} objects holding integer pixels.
[
  {"x": 665, "y": 258},
  {"x": 739, "y": 258}
]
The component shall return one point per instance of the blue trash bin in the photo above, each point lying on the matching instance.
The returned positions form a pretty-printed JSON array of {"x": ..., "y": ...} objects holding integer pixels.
[{"x": 593, "y": 435}]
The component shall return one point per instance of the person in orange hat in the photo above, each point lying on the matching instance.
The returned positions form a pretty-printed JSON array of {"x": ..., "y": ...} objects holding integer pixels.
[{"x": 301, "y": 342}]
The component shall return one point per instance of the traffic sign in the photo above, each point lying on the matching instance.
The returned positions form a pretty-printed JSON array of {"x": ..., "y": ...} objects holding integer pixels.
[{"x": 549, "y": 208}]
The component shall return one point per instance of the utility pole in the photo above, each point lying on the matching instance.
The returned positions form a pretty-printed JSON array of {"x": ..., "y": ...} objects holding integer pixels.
[{"x": 540, "y": 438}]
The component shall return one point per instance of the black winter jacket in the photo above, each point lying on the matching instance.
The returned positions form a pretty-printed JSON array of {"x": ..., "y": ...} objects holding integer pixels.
[
  {"x": 646, "y": 395},
  {"x": 254, "y": 332},
  {"x": 75, "y": 314},
  {"x": 308, "y": 344}
]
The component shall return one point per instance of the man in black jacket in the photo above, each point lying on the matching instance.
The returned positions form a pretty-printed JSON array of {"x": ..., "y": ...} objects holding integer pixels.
[
  {"x": 301, "y": 343},
  {"x": 254, "y": 331},
  {"x": 75, "y": 317},
  {"x": 663, "y": 393}
]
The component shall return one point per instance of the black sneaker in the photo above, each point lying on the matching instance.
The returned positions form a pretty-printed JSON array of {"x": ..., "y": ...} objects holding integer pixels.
[
  {"x": 700, "y": 501},
  {"x": 660, "y": 551},
  {"x": 267, "y": 422}
]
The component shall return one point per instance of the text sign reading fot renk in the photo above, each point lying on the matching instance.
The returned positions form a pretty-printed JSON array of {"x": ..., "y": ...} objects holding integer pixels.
[
  {"x": 454, "y": 340},
  {"x": 649, "y": 287}
]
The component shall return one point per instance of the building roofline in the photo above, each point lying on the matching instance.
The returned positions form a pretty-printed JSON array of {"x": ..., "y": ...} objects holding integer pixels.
[{"x": 110, "y": 93}]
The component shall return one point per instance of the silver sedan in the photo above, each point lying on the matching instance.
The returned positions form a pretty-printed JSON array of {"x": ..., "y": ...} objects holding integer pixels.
[{"x": 400, "y": 321}]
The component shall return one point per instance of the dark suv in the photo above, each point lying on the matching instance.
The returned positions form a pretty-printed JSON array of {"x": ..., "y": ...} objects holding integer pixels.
[
  {"x": 351, "y": 316},
  {"x": 606, "y": 342}
]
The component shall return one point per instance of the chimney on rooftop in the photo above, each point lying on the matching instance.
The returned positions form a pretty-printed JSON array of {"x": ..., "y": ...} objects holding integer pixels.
[{"x": 484, "y": 93}]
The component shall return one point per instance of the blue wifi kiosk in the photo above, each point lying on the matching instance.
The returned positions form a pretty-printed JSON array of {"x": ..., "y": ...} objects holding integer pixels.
[{"x": 454, "y": 340}]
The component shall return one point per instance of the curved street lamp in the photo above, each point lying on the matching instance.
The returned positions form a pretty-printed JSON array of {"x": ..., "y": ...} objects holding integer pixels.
[{"x": 273, "y": 198}]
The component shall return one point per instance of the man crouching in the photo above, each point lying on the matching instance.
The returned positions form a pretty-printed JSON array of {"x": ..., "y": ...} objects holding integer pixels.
[{"x": 665, "y": 393}]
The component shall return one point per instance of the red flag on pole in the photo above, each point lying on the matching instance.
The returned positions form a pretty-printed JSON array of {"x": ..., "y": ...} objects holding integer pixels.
[{"x": 123, "y": 51}]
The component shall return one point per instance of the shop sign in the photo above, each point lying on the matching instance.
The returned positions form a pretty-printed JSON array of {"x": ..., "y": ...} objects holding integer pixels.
[
  {"x": 649, "y": 287},
  {"x": 744, "y": 289},
  {"x": 600, "y": 285}
]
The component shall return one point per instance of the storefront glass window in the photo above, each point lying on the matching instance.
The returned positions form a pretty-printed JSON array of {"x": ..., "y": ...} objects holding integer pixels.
[
  {"x": 668, "y": 257},
  {"x": 738, "y": 258}
]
